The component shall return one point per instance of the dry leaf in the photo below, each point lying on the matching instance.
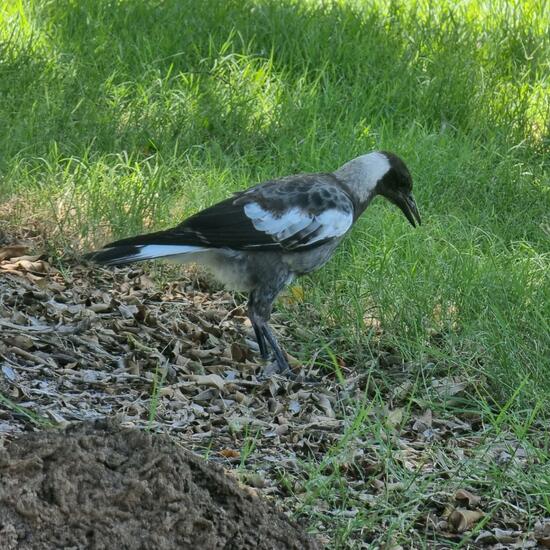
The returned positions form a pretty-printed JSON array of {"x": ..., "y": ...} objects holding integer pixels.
[
  {"x": 100, "y": 307},
  {"x": 14, "y": 251},
  {"x": 503, "y": 536},
  {"x": 461, "y": 519},
  {"x": 38, "y": 266},
  {"x": 394, "y": 417},
  {"x": 324, "y": 404},
  {"x": 402, "y": 390},
  {"x": 239, "y": 353},
  {"x": 378, "y": 484},
  {"x": 294, "y": 406},
  {"x": 253, "y": 479},
  {"x": 506, "y": 535},
  {"x": 27, "y": 258},
  {"x": 449, "y": 386},
  {"x": 211, "y": 380},
  {"x": 423, "y": 422},
  {"x": 128, "y": 311},
  {"x": 9, "y": 373},
  {"x": 230, "y": 453},
  {"x": 542, "y": 533},
  {"x": 23, "y": 341},
  {"x": 466, "y": 497}
]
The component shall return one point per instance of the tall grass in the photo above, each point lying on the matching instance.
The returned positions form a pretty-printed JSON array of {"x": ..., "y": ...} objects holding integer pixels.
[{"x": 118, "y": 116}]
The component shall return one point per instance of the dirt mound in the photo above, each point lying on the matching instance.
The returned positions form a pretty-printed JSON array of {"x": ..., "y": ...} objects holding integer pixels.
[{"x": 95, "y": 485}]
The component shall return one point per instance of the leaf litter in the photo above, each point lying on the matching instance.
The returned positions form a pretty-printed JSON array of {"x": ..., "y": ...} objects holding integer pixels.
[{"x": 83, "y": 343}]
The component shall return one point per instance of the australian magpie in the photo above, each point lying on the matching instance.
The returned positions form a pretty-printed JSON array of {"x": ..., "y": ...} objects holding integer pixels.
[{"x": 260, "y": 239}]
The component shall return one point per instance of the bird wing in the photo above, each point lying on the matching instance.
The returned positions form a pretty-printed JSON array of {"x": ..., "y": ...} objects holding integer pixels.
[{"x": 292, "y": 213}]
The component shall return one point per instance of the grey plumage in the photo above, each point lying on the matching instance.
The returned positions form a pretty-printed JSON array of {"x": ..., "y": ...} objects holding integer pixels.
[{"x": 261, "y": 239}]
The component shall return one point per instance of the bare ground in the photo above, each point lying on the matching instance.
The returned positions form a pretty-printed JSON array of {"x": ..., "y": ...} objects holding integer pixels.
[{"x": 96, "y": 485}]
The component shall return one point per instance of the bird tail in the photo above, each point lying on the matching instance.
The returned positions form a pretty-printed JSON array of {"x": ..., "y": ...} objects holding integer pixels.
[{"x": 141, "y": 248}]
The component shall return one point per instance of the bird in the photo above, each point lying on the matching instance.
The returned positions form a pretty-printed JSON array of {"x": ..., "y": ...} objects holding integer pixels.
[{"x": 260, "y": 239}]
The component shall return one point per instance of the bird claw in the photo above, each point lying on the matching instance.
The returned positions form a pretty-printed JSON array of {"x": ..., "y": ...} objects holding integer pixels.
[
  {"x": 269, "y": 370},
  {"x": 274, "y": 368}
]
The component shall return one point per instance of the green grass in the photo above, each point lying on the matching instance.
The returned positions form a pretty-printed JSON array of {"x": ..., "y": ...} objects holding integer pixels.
[
  {"x": 410, "y": 489},
  {"x": 119, "y": 116},
  {"x": 27, "y": 413}
]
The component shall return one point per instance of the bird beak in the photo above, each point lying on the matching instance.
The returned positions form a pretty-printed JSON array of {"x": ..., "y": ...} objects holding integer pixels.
[{"x": 408, "y": 206}]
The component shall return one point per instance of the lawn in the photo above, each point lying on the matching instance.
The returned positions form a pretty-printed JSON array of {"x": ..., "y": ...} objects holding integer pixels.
[{"x": 123, "y": 116}]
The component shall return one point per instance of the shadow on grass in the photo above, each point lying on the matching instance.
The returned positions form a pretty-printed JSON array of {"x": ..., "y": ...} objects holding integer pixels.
[{"x": 176, "y": 75}]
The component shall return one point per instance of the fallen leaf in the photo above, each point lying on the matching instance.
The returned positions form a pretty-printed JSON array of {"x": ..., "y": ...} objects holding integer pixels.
[
  {"x": 449, "y": 386},
  {"x": 9, "y": 373},
  {"x": 27, "y": 258},
  {"x": 542, "y": 533},
  {"x": 324, "y": 404},
  {"x": 100, "y": 307},
  {"x": 230, "y": 453},
  {"x": 402, "y": 390},
  {"x": 239, "y": 352},
  {"x": 461, "y": 519},
  {"x": 294, "y": 406},
  {"x": 210, "y": 380},
  {"x": 423, "y": 422},
  {"x": 8, "y": 252},
  {"x": 127, "y": 311},
  {"x": 466, "y": 497},
  {"x": 394, "y": 417},
  {"x": 506, "y": 535},
  {"x": 38, "y": 266},
  {"x": 378, "y": 484},
  {"x": 23, "y": 341}
]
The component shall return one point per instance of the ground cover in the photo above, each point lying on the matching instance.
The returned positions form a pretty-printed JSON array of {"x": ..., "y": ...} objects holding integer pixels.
[{"x": 119, "y": 117}]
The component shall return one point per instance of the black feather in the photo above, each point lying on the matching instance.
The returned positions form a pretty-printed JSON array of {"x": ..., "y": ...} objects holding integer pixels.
[
  {"x": 225, "y": 224},
  {"x": 118, "y": 255}
]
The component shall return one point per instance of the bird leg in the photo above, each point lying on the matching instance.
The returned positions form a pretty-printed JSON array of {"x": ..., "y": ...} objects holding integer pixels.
[
  {"x": 259, "y": 312},
  {"x": 261, "y": 340},
  {"x": 283, "y": 366},
  {"x": 255, "y": 320}
]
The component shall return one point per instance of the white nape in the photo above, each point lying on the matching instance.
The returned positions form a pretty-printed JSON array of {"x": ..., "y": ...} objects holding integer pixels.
[{"x": 363, "y": 173}]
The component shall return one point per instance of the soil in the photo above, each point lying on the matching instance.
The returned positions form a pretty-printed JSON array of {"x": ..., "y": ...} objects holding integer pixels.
[{"x": 98, "y": 485}]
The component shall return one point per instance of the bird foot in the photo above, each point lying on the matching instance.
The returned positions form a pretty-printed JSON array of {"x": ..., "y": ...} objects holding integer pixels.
[{"x": 274, "y": 368}]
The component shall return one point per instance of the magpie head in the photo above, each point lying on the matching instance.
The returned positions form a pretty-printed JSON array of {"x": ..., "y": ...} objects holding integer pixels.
[{"x": 396, "y": 186}]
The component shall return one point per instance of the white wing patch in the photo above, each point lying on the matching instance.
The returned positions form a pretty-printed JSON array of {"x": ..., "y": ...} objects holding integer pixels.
[
  {"x": 151, "y": 251},
  {"x": 330, "y": 223},
  {"x": 334, "y": 223},
  {"x": 265, "y": 221}
]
